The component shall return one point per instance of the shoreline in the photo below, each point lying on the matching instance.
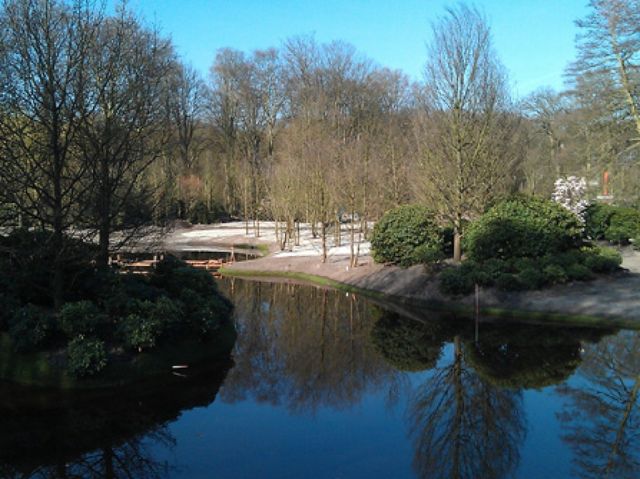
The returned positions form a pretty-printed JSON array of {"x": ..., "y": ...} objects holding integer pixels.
[{"x": 610, "y": 302}]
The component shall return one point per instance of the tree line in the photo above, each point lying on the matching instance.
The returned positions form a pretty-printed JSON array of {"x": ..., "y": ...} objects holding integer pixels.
[{"x": 103, "y": 127}]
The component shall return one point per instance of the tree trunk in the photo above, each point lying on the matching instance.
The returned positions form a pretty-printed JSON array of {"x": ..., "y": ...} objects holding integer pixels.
[
  {"x": 324, "y": 242},
  {"x": 457, "y": 247},
  {"x": 104, "y": 209}
]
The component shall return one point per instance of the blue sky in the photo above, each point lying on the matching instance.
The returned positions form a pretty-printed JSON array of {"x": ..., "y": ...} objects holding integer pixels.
[{"x": 534, "y": 38}]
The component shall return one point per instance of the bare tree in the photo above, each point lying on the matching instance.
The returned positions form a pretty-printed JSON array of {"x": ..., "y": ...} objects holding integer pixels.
[
  {"x": 46, "y": 49},
  {"x": 465, "y": 130},
  {"x": 186, "y": 103},
  {"x": 610, "y": 44},
  {"x": 125, "y": 132}
]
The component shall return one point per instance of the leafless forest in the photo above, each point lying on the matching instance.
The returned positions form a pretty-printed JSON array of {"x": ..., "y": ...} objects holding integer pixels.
[{"x": 104, "y": 127}]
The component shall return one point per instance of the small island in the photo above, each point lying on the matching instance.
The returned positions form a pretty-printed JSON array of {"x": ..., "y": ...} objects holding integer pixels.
[{"x": 113, "y": 328}]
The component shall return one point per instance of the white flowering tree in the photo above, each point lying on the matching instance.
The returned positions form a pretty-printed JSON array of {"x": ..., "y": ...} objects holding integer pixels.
[{"x": 570, "y": 192}]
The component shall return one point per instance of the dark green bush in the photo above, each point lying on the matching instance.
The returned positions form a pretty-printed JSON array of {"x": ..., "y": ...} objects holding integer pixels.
[
  {"x": 614, "y": 223},
  {"x": 427, "y": 254},
  {"x": 28, "y": 258},
  {"x": 137, "y": 287},
  {"x": 579, "y": 272},
  {"x": 147, "y": 322},
  {"x": 86, "y": 356},
  {"x": 624, "y": 225},
  {"x": 522, "y": 227},
  {"x": 618, "y": 224},
  {"x": 80, "y": 318},
  {"x": 531, "y": 278},
  {"x": 597, "y": 218},
  {"x": 174, "y": 275},
  {"x": 456, "y": 281},
  {"x": 602, "y": 260},
  {"x": 9, "y": 304},
  {"x": 555, "y": 274},
  {"x": 494, "y": 267},
  {"x": 407, "y": 235},
  {"x": 520, "y": 264},
  {"x": 30, "y": 328},
  {"x": 203, "y": 316},
  {"x": 140, "y": 331},
  {"x": 509, "y": 282},
  {"x": 168, "y": 313}
]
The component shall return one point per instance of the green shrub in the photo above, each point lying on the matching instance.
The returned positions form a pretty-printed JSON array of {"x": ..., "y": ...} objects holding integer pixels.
[
  {"x": 146, "y": 322},
  {"x": 602, "y": 260},
  {"x": 168, "y": 312},
  {"x": 29, "y": 256},
  {"x": 138, "y": 287},
  {"x": 203, "y": 316},
  {"x": 531, "y": 278},
  {"x": 30, "y": 327},
  {"x": 86, "y": 357},
  {"x": 476, "y": 273},
  {"x": 614, "y": 223},
  {"x": 407, "y": 235},
  {"x": 509, "y": 282},
  {"x": 8, "y": 306},
  {"x": 173, "y": 275},
  {"x": 140, "y": 331},
  {"x": 520, "y": 264},
  {"x": 597, "y": 218},
  {"x": 554, "y": 274},
  {"x": 579, "y": 272},
  {"x": 80, "y": 318},
  {"x": 522, "y": 227},
  {"x": 624, "y": 225},
  {"x": 494, "y": 267},
  {"x": 456, "y": 281},
  {"x": 426, "y": 254}
]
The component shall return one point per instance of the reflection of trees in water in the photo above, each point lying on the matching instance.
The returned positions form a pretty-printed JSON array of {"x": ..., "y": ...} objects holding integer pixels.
[
  {"x": 463, "y": 426},
  {"x": 600, "y": 416},
  {"x": 528, "y": 356},
  {"x": 407, "y": 344},
  {"x": 91, "y": 434},
  {"x": 130, "y": 459},
  {"x": 303, "y": 347},
  {"x": 466, "y": 419}
]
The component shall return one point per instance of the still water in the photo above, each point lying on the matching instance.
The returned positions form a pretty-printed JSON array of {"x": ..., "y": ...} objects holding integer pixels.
[{"x": 328, "y": 385}]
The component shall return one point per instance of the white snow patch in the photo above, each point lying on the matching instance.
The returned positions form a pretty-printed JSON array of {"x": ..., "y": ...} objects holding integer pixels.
[{"x": 309, "y": 246}]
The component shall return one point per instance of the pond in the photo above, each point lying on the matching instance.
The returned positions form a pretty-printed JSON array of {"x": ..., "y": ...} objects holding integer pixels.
[{"x": 327, "y": 384}]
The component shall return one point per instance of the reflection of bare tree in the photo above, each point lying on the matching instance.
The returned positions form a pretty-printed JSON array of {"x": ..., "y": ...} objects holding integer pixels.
[
  {"x": 128, "y": 460},
  {"x": 463, "y": 426},
  {"x": 93, "y": 434},
  {"x": 601, "y": 414},
  {"x": 303, "y": 347}
]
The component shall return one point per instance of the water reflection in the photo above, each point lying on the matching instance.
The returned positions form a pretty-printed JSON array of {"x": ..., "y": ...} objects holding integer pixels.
[
  {"x": 600, "y": 415},
  {"x": 455, "y": 405},
  {"x": 304, "y": 348},
  {"x": 512, "y": 355},
  {"x": 463, "y": 426},
  {"x": 48, "y": 434},
  {"x": 467, "y": 418},
  {"x": 407, "y": 344}
]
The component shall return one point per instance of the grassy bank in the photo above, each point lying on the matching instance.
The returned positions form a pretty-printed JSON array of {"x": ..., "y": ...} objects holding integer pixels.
[{"x": 440, "y": 306}]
